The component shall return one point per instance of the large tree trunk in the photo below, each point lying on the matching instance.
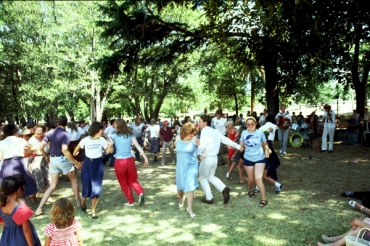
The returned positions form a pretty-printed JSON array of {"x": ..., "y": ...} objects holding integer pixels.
[
  {"x": 272, "y": 96},
  {"x": 236, "y": 105}
]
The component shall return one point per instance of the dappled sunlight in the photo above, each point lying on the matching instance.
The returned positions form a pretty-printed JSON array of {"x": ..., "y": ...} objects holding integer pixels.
[
  {"x": 264, "y": 240},
  {"x": 277, "y": 216}
]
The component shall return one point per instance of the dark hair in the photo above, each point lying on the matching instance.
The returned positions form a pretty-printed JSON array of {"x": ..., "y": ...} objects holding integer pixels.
[
  {"x": 9, "y": 186},
  {"x": 95, "y": 128},
  {"x": 270, "y": 118},
  {"x": 122, "y": 129},
  {"x": 50, "y": 124},
  {"x": 62, "y": 120},
  {"x": 219, "y": 111},
  {"x": 10, "y": 130},
  {"x": 31, "y": 125},
  {"x": 112, "y": 121},
  {"x": 205, "y": 118},
  {"x": 72, "y": 125}
]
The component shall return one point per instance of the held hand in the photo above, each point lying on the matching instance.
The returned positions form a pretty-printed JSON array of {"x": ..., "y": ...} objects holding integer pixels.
[
  {"x": 48, "y": 159},
  {"x": 78, "y": 166},
  {"x": 75, "y": 154},
  {"x": 146, "y": 162}
]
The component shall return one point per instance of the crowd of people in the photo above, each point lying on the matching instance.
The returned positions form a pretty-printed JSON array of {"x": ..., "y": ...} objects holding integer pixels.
[{"x": 32, "y": 160}]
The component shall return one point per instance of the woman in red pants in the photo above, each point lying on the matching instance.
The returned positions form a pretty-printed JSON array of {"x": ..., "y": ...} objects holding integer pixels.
[{"x": 124, "y": 166}]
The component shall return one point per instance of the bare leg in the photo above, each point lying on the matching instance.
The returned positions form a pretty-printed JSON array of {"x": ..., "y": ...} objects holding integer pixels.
[
  {"x": 363, "y": 209},
  {"x": 232, "y": 167},
  {"x": 250, "y": 174},
  {"x": 342, "y": 241},
  {"x": 258, "y": 172},
  {"x": 72, "y": 177},
  {"x": 94, "y": 202},
  {"x": 268, "y": 179},
  {"x": 48, "y": 192},
  {"x": 240, "y": 171},
  {"x": 83, "y": 202},
  {"x": 190, "y": 197},
  {"x": 181, "y": 196}
]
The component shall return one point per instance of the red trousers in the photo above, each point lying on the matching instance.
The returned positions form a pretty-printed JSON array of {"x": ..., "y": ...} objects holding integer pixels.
[{"x": 126, "y": 173}]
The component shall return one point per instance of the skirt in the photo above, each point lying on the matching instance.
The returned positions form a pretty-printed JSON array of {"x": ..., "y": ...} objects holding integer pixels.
[
  {"x": 154, "y": 145},
  {"x": 17, "y": 165},
  {"x": 39, "y": 170}
]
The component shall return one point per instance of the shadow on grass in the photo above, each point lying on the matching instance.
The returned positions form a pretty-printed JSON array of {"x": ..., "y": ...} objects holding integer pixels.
[{"x": 308, "y": 206}]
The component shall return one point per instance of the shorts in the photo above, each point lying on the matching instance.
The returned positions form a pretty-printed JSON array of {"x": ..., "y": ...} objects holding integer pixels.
[
  {"x": 237, "y": 157},
  {"x": 251, "y": 164},
  {"x": 60, "y": 164}
]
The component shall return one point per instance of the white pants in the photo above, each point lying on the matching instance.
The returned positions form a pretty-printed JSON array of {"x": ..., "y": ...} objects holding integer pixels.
[
  {"x": 164, "y": 148},
  {"x": 329, "y": 129},
  {"x": 207, "y": 171}
]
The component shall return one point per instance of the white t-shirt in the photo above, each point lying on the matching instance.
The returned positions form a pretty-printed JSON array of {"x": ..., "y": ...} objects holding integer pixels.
[
  {"x": 266, "y": 126},
  {"x": 93, "y": 147},
  {"x": 220, "y": 125},
  {"x": 73, "y": 135},
  {"x": 154, "y": 131},
  {"x": 36, "y": 143},
  {"x": 12, "y": 146}
]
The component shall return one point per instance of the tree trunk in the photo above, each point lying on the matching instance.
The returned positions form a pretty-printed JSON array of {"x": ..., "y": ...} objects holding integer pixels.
[
  {"x": 272, "y": 96},
  {"x": 236, "y": 105},
  {"x": 252, "y": 77}
]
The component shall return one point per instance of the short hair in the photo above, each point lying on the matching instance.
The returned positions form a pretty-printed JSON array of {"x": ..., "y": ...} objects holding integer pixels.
[
  {"x": 62, "y": 213},
  {"x": 31, "y": 125},
  {"x": 62, "y": 120},
  {"x": 112, "y": 121},
  {"x": 10, "y": 130},
  {"x": 186, "y": 129},
  {"x": 219, "y": 111},
  {"x": 50, "y": 124},
  {"x": 40, "y": 126},
  {"x": 95, "y": 128},
  {"x": 327, "y": 106},
  {"x": 153, "y": 122},
  {"x": 205, "y": 118}
]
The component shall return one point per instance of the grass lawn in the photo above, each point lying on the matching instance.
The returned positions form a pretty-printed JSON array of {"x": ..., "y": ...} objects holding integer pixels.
[{"x": 309, "y": 205}]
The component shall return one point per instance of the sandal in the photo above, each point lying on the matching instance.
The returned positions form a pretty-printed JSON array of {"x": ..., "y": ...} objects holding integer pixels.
[
  {"x": 39, "y": 212},
  {"x": 94, "y": 216},
  {"x": 251, "y": 194},
  {"x": 241, "y": 183},
  {"x": 83, "y": 207},
  {"x": 263, "y": 203}
]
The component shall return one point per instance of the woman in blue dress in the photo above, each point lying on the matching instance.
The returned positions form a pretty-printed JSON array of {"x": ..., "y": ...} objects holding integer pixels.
[{"x": 187, "y": 166}]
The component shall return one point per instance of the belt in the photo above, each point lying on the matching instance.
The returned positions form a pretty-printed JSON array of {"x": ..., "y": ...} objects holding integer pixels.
[
  {"x": 15, "y": 157},
  {"x": 56, "y": 155},
  {"x": 93, "y": 159}
]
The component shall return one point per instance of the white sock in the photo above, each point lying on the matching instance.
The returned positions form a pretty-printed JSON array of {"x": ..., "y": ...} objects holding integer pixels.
[
  {"x": 256, "y": 187},
  {"x": 277, "y": 184}
]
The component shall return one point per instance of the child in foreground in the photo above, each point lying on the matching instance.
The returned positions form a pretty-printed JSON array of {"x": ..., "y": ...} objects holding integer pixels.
[
  {"x": 14, "y": 216},
  {"x": 64, "y": 230}
]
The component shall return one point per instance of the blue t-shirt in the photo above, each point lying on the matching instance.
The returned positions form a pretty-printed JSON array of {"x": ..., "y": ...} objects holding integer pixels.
[
  {"x": 57, "y": 138},
  {"x": 122, "y": 144},
  {"x": 253, "y": 145}
]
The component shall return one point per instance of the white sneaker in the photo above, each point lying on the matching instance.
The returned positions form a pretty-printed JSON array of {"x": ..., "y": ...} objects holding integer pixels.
[
  {"x": 141, "y": 199},
  {"x": 284, "y": 153},
  {"x": 281, "y": 151},
  {"x": 280, "y": 188},
  {"x": 227, "y": 175},
  {"x": 128, "y": 204}
]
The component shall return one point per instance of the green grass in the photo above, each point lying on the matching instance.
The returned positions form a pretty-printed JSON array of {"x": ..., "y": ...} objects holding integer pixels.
[{"x": 309, "y": 206}]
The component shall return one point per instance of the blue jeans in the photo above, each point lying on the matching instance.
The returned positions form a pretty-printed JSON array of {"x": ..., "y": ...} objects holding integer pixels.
[{"x": 137, "y": 153}]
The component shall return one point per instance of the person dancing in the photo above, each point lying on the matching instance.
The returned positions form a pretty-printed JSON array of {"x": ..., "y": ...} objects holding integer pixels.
[
  {"x": 187, "y": 166},
  {"x": 329, "y": 128},
  {"x": 210, "y": 140},
  {"x": 124, "y": 165},
  {"x": 254, "y": 157}
]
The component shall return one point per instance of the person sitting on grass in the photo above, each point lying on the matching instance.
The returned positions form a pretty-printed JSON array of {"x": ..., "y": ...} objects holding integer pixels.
[{"x": 357, "y": 224}]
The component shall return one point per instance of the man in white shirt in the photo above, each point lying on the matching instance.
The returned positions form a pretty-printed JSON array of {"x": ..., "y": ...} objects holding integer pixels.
[
  {"x": 283, "y": 134},
  {"x": 329, "y": 128},
  {"x": 210, "y": 140},
  {"x": 220, "y": 123}
]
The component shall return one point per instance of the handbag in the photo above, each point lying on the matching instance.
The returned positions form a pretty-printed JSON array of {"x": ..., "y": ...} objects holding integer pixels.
[{"x": 357, "y": 241}]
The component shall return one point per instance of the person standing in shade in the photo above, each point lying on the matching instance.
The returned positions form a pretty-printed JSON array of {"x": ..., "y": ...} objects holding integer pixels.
[
  {"x": 154, "y": 140},
  {"x": 124, "y": 166},
  {"x": 60, "y": 161},
  {"x": 329, "y": 128},
  {"x": 166, "y": 135},
  {"x": 210, "y": 140},
  {"x": 283, "y": 134},
  {"x": 137, "y": 128},
  {"x": 263, "y": 117},
  {"x": 219, "y": 123}
]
